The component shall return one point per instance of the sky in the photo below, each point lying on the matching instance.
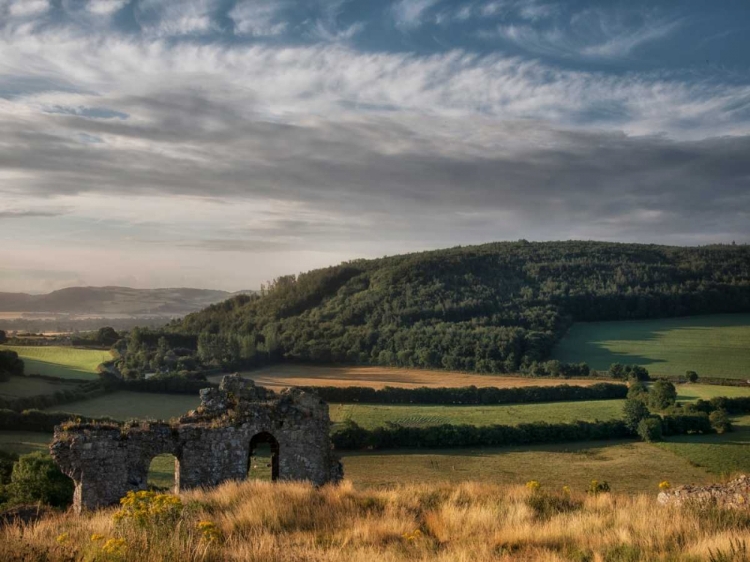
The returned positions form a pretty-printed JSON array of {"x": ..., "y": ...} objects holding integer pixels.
[{"x": 221, "y": 143}]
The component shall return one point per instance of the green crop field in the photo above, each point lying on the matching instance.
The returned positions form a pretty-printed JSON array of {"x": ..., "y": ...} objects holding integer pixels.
[
  {"x": 19, "y": 387},
  {"x": 720, "y": 454},
  {"x": 125, "y": 405},
  {"x": 692, "y": 392},
  {"x": 370, "y": 416},
  {"x": 717, "y": 346},
  {"x": 24, "y": 442},
  {"x": 61, "y": 361}
]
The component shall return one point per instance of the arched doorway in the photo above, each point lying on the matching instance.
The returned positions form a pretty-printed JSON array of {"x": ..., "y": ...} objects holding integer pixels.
[{"x": 263, "y": 460}]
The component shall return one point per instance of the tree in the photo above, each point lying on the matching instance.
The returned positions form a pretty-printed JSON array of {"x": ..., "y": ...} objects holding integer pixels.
[
  {"x": 720, "y": 421},
  {"x": 649, "y": 429},
  {"x": 662, "y": 395},
  {"x": 107, "y": 336},
  {"x": 3, "y": 336},
  {"x": 638, "y": 391},
  {"x": 633, "y": 412},
  {"x": 10, "y": 364},
  {"x": 616, "y": 371},
  {"x": 691, "y": 376},
  {"x": 36, "y": 478}
]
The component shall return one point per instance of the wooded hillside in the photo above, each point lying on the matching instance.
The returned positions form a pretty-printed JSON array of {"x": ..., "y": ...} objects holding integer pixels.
[{"x": 491, "y": 308}]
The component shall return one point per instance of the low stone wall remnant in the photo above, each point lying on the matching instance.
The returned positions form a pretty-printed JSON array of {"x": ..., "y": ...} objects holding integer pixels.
[{"x": 732, "y": 495}]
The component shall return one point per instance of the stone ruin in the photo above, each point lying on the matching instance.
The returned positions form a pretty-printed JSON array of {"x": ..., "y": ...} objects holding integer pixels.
[
  {"x": 732, "y": 495},
  {"x": 212, "y": 444}
]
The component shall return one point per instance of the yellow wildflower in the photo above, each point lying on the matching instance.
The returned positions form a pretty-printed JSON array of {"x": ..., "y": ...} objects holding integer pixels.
[
  {"x": 209, "y": 531},
  {"x": 97, "y": 537},
  {"x": 533, "y": 485},
  {"x": 115, "y": 547},
  {"x": 566, "y": 490},
  {"x": 62, "y": 538},
  {"x": 664, "y": 485}
]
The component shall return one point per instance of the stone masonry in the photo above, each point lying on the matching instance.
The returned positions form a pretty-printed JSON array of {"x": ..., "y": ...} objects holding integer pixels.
[
  {"x": 212, "y": 444},
  {"x": 732, "y": 495}
]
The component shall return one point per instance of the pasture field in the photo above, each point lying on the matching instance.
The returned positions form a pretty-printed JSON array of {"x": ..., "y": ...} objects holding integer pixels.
[
  {"x": 630, "y": 467},
  {"x": 720, "y": 454},
  {"x": 716, "y": 345},
  {"x": 279, "y": 376},
  {"x": 24, "y": 442},
  {"x": 371, "y": 416},
  {"x": 21, "y": 387},
  {"x": 125, "y": 405},
  {"x": 61, "y": 361},
  {"x": 693, "y": 392}
]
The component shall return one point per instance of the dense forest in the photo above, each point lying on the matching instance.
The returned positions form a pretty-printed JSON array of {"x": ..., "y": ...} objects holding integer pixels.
[{"x": 497, "y": 307}]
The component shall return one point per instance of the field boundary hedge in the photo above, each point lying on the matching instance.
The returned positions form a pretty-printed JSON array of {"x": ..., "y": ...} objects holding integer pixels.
[
  {"x": 448, "y": 436},
  {"x": 469, "y": 395}
]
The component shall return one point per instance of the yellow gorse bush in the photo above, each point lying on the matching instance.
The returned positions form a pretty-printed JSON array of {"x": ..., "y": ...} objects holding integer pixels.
[
  {"x": 664, "y": 485},
  {"x": 533, "y": 485},
  {"x": 62, "y": 538},
  {"x": 146, "y": 507},
  {"x": 209, "y": 531},
  {"x": 97, "y": 537},
  {"x": 115, "y": 547}
]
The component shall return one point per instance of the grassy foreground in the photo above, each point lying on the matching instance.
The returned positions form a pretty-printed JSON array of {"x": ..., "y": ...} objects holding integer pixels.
[
  {"x": 710, "y": 345},
  {"x": 61, "y": 361},
  {"x": 257, "y": 521}
]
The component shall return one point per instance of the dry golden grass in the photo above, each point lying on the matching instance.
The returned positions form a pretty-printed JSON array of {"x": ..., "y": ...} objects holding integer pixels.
[
  {"x": 470, "y": 522},
  {"x": 279, "y": 376}
]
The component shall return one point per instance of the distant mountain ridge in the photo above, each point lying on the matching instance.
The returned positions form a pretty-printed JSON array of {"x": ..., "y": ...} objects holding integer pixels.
[{"x": 115, "y": 300}]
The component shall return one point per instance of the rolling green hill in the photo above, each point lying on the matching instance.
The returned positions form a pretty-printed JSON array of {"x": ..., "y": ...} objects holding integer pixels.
[{"x": 490, "y": 308}]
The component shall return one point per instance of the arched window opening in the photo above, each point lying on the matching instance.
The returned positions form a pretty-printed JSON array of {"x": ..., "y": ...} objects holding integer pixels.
[
  {"x": 161, "y": 472},
  {"x": 263, "y": 460}
]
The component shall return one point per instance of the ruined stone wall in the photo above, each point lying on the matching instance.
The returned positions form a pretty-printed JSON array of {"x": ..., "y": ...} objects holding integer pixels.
[
  {"x": 211, "y": 444},
  {"x": 732, "y": 495}
]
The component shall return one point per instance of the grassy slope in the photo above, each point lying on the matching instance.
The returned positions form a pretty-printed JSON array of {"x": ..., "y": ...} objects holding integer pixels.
[
  {"x": 710, "y": 345},
  {"x": 124, "y": 405},
  {"x": 59, "y": 361},
  {"x": 471, "y": 522},
  {"x": 378, "y": 377},
  {"x": 376, "y": 415},
  {"x": 28, "y": 386}
]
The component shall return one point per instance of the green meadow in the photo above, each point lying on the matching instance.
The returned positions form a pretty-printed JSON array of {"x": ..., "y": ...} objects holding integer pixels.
[
  {"x": 61, "y": 361},
  {"x": 716, "y": 346},
  {"x": 371, "y": 416},
  {"x": 124, "y": 405}
]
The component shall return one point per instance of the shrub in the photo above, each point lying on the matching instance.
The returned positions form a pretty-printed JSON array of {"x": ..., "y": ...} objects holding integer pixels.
[
  {"x": 649, "y": 429},
  {"x": 720, "y": 421},
  {"x": 637, "y": 391},
  {"x": 662, "y": 395},
  {"x": 7, "y": 460},
  {"x": 691, "y": 376},
  {"x": 10, "y": 363},
  {"x": 146, "y": 508},
  {"x": 597, "y": 487},
  {"x": 36, "y": 478}
]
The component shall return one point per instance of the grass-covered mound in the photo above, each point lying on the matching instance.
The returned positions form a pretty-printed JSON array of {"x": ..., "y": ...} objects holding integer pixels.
[{"x": 468, "y": 522}]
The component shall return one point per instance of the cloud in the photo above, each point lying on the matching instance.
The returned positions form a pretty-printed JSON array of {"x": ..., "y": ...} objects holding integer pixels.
[
  {"x": 105, "y": 7},
  {"x": 591, "y": 33},
  {"x": 409, "y": 14},
  {"x": 10, "y": 214},
  {"x": 26, "y": 8},
  {"x": 259, "y": 17},
  {"x": 174, "y": 18}
]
